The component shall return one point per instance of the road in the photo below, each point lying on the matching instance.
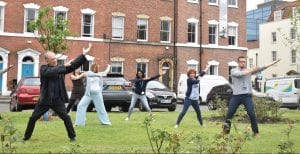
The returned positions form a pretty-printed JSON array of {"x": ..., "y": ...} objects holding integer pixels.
[{"x": 4, "y": 107}]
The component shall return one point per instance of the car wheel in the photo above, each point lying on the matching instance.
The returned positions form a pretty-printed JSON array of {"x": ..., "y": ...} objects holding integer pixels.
[
  {"x": 108, "y": 108},
  {"x": 210, "y": 105},
  {"x": 18, "y": 108},
  {"x": 12, "y": 108},
  {"x": 124, "y": 108},
  {"x": 172, "y": 108}
]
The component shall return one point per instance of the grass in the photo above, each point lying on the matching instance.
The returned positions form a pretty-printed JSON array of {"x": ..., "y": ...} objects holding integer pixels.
[{"x": 130, "y": 137}]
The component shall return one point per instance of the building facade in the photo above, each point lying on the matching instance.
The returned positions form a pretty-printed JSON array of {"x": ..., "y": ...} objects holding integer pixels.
[
  {"x": 279, "y": 39},
  {"x": 259, "y": 16},
  {"x": 157, "y": 35}
]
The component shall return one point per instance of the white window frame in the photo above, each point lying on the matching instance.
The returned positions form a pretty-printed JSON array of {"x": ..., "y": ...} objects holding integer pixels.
[
  {"x": 193, "y": 21},
  {"x": 29, "y": 6},
  {"x": 147, "y": 27},
  {"x": 215, "y": 66},
  {"x": 60, "y": 9},
  {"x": 90, "y": 12},
  {"x": 119, "y": 27},
  {"x": 117, "y": 62},
  {"x": 215, "y": 35},
  {"x": 236, "y": 35},
  {"x": 192, "y": 64},
  {"x": 293, "y": 56},
  {"x": 295, "y": 12},
  {"x": 277, "y": 15},
  {"x": 216, "y": 3},
  {"x": 2, "y": 11},
  {"x": 163, "y": 31},
  {"x": 234, "y": 6},
  {"x": 193, "y": 1}
]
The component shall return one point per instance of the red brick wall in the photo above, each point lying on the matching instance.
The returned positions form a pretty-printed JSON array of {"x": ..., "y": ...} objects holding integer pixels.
[{"x": 129, "y": 48}]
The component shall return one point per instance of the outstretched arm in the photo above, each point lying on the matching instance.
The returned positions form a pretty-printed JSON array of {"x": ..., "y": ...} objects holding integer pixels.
[
  {"x": 104, "y": 73},
  {"x": 76, "y": 77},
  {"x": 204, "y": 71},
  {"x": 254, "y": 70},
  {"x": 7, "y": 69}
]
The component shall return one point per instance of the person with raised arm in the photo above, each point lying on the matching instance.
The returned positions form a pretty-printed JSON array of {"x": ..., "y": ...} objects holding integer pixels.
[
  {"x": 192, "y": 95},
  {"x": 53, "y": 93},
  {"x": 242, "y": 93}
]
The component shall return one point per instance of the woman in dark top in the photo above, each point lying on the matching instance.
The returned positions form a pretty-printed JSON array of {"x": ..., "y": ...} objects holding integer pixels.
[
  {"x": 192, "y": 95},
  {"x": 78, "y": 89},
  {"x": 139, "y": 91}
]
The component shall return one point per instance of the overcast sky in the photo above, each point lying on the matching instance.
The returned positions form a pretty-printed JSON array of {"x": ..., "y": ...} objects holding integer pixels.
[{"x": 251, "y": 4}]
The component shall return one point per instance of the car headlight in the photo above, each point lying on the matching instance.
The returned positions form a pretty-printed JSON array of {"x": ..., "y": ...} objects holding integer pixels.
[
  {"x": 150, "y": 95},
  {"x": 174, "y": 95}
]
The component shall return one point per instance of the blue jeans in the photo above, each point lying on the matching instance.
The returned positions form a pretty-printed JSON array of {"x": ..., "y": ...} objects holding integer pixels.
[
  {"x": 187, "y": 103},
  {"x": 143, "y": 100},
  {"x": 99, "y": 105},
  {"x": 246, "y": 100}
]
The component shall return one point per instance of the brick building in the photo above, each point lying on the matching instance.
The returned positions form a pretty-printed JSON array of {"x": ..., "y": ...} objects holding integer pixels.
[{"x": 151, "y": 35}]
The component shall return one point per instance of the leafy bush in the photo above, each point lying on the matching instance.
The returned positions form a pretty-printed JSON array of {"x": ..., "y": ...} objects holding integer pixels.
[
  {"x": 157, "y": 137},
  {"x": 266, "y": 110},
  {"x": 8, "y": 135}
]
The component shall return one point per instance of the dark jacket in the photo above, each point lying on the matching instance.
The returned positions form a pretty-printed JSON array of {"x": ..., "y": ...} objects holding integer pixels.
[
  {"x": 48, "y": 76},
  {"x": 140, "y": 84},
  {"x": 190, "y": 83}
]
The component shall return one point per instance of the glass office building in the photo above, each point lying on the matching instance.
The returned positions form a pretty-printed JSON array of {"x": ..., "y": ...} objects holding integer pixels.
[{"x": 258, "y": 16}]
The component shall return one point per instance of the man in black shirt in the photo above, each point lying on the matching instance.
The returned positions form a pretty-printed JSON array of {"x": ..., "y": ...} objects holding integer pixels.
[{"x": 53, "y": 93}]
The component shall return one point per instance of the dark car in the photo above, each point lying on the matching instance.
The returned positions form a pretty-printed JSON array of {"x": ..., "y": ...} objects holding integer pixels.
[
  {"x": 224, "y": 92},
  {"x": 116, "y": 92},
  {"x": 26, "y": 94},
  {"x": 159, "y": 96}
]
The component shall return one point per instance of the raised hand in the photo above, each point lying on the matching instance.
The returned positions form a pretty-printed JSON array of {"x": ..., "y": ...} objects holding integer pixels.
[
  {"x": 85, "y": 51},
  {"x": 68, "y": 63},
  {"x": 10, "y": 66}
]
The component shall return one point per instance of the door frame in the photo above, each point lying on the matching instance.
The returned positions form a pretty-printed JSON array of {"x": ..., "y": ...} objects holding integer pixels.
[
  {"x": 36, "y": 61},
  {"x": 4, "y": 54},
  {"x": 171, "y": 70}
]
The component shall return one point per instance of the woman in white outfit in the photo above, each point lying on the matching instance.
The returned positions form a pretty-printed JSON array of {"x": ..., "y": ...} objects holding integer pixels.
[{"x": 93, "y": 91}]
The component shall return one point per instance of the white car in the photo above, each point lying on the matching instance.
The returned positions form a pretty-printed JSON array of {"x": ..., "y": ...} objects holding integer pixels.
[{"x": 207, "y": 82}]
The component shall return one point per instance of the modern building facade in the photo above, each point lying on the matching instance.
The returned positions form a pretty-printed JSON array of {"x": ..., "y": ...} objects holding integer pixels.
[
  {"x": 171, "y": 35},
  {"x": 279, "y": 39},
  {"x": 259, "y": 16}
]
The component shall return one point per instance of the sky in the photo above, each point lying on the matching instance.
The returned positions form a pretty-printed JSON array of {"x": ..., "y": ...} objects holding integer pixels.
[{"x": 251, "y": 4}]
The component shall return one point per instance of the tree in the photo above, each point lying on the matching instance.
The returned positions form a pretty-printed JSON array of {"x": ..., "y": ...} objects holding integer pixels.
[
  {"x": 293, "y": 38},
  {"x": 50, "y": 33}
]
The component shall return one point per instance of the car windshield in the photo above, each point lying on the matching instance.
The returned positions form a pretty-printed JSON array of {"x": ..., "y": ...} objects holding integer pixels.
[
  {"x": 108, "y": 80},
  {"x": 155, "y": 85},
  {"x": 31, "y": 82}
]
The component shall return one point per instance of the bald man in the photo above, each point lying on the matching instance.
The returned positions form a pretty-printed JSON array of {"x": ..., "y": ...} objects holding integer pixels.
[{"x": 53, "y": 93}]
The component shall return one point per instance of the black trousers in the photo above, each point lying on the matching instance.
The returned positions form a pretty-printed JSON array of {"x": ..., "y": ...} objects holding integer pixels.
[{"x": 59, "y": 108}]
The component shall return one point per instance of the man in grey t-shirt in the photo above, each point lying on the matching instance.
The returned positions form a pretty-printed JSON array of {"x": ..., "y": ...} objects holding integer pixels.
[{"x": 242, "y": 93}]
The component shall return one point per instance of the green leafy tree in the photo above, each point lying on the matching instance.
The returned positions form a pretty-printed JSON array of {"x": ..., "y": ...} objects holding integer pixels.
[
  {"x": 50, "y": 33},
  {"x": 292, "y": 39}
]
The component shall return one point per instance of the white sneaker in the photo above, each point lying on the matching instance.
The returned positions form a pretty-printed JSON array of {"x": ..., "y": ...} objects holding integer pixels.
[
  {"x": 176, "y": 126},
  {"x": 126, "y": 119}
]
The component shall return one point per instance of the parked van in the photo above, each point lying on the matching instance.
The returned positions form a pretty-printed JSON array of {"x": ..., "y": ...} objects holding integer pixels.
[
  {"x": 207, "y": 82},
  {"x": 285, "y": 90}
]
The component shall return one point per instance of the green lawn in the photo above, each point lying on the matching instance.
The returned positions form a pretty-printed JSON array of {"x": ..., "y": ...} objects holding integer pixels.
[{"x": 130, "y": 137}]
